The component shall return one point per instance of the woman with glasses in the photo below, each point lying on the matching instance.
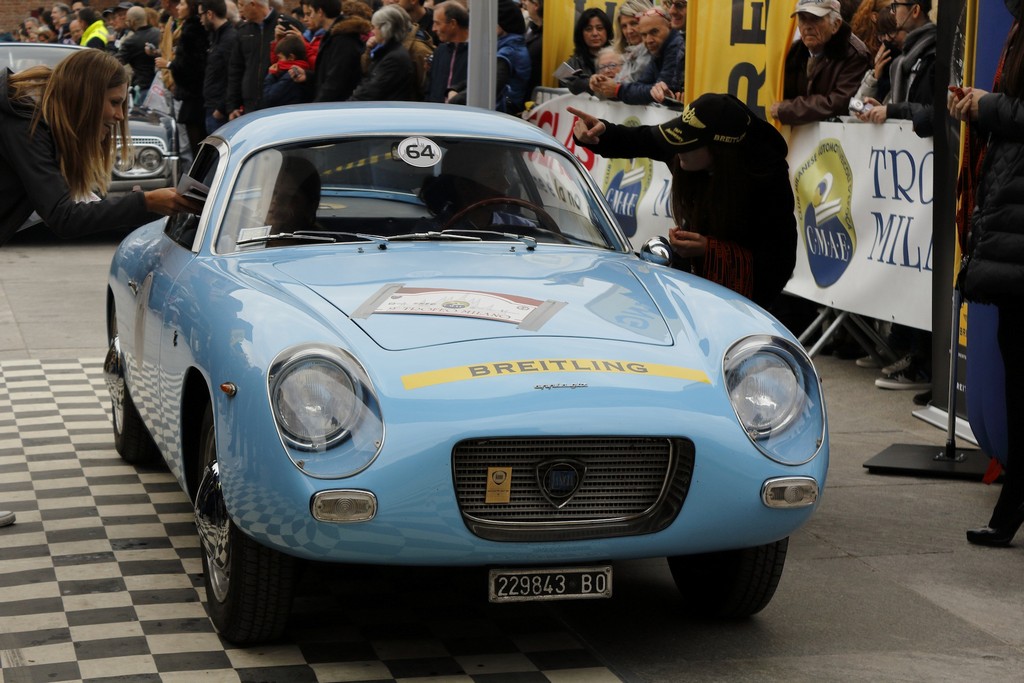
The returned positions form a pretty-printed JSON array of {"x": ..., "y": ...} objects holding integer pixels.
[
  {"x": 994, "y": 270},
  {"x": 593, "y": 31},
  {"x": 609, "y": 66}
]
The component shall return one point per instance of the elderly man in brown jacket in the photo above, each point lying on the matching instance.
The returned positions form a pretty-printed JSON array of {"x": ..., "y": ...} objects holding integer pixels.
[{"x": 823, "y": 68}]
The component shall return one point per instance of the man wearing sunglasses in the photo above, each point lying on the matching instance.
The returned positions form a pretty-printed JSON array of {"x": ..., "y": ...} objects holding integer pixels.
[
  {"x": 823, "y": 67},
  {"x": 911, "y": 73}
]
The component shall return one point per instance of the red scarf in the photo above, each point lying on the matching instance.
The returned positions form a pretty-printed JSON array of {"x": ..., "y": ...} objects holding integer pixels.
[{"x": 283, "y": 65}]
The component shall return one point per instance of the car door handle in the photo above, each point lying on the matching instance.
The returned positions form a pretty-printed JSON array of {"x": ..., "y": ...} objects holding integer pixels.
[{"x": 134, "y": 286}]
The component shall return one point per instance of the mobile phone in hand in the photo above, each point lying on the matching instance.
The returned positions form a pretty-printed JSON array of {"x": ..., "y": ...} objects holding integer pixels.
[{"x": 957, "y": 90}]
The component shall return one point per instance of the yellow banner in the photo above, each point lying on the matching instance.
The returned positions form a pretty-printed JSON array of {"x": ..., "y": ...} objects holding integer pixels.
[{"x": 738, "y": 47}]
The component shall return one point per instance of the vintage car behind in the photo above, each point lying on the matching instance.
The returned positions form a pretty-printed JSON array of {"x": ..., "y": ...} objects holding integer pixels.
[
  {"x": 414, "y": 335},
  {"x": 154, "y": 135}
]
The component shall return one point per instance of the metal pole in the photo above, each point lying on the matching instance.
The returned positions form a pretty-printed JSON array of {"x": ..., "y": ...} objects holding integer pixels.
[
  {"x": 483, "y": 46},
  {"x": 954, "y": 345}
]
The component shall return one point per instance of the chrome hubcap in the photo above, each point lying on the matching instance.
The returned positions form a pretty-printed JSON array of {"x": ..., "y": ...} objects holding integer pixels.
[{"x": 214, "y": 531}]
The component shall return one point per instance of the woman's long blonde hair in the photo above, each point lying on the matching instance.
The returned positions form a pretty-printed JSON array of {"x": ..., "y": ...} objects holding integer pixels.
[{"x": 70, "y": 99}]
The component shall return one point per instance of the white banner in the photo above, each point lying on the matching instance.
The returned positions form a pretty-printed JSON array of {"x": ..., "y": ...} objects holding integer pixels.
[
  {"x": 863, "y": 195},
  {"x": 864, "y": 211}
]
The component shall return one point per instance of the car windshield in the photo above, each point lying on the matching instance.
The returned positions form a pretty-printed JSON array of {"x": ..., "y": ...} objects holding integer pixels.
[{"x": 385, "y": 189}]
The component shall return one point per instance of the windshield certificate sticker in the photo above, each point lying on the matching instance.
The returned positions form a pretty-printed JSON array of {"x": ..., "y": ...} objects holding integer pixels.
[
  {"x": 459, "y": 303},
  {"x": 419, "y": 152},
  {"x": 259, "y": 232}
]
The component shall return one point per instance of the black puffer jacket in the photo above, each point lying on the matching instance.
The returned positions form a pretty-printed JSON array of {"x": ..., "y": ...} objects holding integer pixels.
[
  {"x": 338, "y": 62},
  {"x": 30, "y": 180},
  {"x": 995, "y": 273}
]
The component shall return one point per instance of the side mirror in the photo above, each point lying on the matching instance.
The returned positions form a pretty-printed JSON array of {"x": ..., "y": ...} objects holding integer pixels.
[{"x": 657, "y": 250}]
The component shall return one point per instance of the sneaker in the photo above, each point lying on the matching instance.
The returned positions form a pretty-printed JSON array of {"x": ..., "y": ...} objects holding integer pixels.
[
  {"x": 867, "y": 362},
  {"x": 923, "y": 399},
  {"x": 910, "y": 378},
  {"x": 897, "y": 367},
  {"x": 6, "y": 518}
]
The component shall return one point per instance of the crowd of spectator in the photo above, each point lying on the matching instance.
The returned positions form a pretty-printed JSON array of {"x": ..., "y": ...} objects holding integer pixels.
[{"x": 222, "y": 60}]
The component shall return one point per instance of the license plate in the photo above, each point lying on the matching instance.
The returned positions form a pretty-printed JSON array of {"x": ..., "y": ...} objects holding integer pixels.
[{"x": 561, "y": 583}]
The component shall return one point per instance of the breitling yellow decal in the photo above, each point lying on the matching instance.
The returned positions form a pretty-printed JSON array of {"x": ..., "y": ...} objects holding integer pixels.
[{"x": 523, "y": 367}]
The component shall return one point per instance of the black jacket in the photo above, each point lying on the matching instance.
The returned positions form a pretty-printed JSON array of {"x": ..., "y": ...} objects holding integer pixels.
[
  {"x": 995, "y": 272},
  {"x": 448, "y": 70},
  {"x": 534, "y": 46},
  {"x": 189, "y": 70},
  {"x": 30, "y": 180},
  {"x": 215, "y": 81},
  {"x": 338, "y": 65},
  {"x": 390, "y": 76},
  {"x": 250, "y": 60},
  {"x": 763, "y": 222},
  {"x": 133, "y": 53},
  {"x": 912, "y": 81}
]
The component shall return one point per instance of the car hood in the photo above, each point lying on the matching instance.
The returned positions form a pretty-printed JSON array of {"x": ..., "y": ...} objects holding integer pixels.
[{"x": 460, "y": 294}]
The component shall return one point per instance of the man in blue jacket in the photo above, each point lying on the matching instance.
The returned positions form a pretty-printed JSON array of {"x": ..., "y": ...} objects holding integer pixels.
[{"x": 659, "y": 79}]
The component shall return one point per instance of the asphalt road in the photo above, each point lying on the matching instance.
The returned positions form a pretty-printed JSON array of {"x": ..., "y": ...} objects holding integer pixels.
[{"x": 881, "y": 585}]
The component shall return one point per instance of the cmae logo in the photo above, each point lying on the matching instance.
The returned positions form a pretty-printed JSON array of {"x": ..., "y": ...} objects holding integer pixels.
[
  {"x": 625, "y": 182},
  {"x": 824, "y": 188}
]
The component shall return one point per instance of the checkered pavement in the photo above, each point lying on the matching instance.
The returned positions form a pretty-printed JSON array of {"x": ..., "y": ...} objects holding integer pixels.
[{"x": 101, "y": 577}]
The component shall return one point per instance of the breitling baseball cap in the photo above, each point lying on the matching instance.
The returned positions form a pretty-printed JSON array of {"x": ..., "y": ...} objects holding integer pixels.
[{"x": 712, "y": 117}]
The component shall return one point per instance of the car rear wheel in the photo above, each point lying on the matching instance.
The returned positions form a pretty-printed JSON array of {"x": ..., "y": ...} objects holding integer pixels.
[
  {"x": 732, "y": 583},
  {"x": 248, "y": 586}
]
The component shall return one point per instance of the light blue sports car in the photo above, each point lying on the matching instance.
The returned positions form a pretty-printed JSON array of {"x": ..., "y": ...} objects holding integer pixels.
[{"x": 415, "y": 335}]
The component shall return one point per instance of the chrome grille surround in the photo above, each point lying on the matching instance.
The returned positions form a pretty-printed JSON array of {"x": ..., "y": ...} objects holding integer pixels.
[{"x": 632, "y": 485}]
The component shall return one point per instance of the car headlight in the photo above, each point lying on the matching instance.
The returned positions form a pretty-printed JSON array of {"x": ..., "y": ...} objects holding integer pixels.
[
  {"x": 324, "y": 404},
  {"x": 149, "y": 159},
  {"x": 774, "y": 391}
]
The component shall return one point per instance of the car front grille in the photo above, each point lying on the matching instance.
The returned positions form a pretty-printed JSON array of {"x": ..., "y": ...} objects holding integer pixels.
[
  {"x": 141, "y": 141},
  {"x": 627, "y": 486}
]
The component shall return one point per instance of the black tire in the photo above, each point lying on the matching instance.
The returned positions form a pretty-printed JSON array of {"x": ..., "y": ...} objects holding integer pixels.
[
  {"x": 131, "y": 438},
  {"x": 252, "y": 598},
  {"x": 730, "y": 584}
]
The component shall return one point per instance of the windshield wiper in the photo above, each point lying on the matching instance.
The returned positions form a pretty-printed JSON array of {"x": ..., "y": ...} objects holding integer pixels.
[
  {"x": 381, "y": 242},
  {"x": 324, "y": 236},
  {"x": 530, "y": 242},
  {"x": 458, "y": 234},
  {"x": 299, "y": 235},
  {"x": 431, "y": 235}
]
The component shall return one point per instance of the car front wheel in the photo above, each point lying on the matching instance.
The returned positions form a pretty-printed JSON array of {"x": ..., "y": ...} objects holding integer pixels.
[
  {"x": 132, "y": 440},
  {"x": 248, "y": 586},
  {"x": 731, "y": 583}
]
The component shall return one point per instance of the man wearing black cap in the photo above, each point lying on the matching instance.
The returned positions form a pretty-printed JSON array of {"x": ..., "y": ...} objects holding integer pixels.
[
  {"x": 731, "y": 194},
  {"x": 118, "y": 27}
]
